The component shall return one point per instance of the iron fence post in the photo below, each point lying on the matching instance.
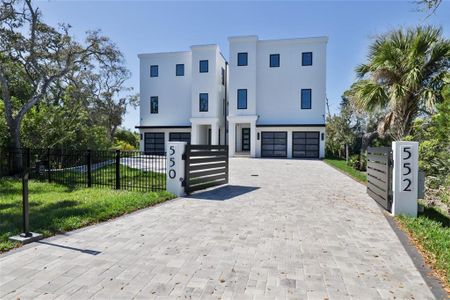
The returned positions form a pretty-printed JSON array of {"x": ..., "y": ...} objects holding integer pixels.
[
  {"x": 117, "y": 169},
  {"x": 25, "y": 203},
  {"x": 49, "y": 168},
  {"x": 89, "y": 168}
]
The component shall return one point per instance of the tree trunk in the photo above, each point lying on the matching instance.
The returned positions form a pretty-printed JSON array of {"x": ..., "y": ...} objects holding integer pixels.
[
  {"x": 367, "y": 138},
  {"x": 15, "y": 147}
]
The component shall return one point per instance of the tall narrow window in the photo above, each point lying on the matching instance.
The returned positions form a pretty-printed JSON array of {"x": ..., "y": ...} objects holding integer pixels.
[
  {"x": 203, "y": 102},
  {"x": 242, "y": 59},
  {"x": 307, "y": 59},
  {"x": 274, "y": 60},
  {"x": 306, "y": 99},
  {"x": 154, "y": 71},
  {"x": 242, "y": 99},
  {"x": 179, "y": 70},
  {"x": 203, "y": 66},
  {"x": 154, "y": 105}
]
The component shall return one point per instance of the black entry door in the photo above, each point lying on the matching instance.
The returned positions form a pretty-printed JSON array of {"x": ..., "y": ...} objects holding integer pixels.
[
  {"x": 274, "y": 144},
  {"x": 245, "y": 139},
  {"x": 305, "y": 144},
  {"x": 154, "y": 142}
]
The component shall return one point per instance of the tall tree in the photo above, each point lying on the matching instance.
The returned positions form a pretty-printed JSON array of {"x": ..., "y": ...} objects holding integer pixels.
[
  {"x": 44, "y": 55},
  {"x": 403, "y": 76}
]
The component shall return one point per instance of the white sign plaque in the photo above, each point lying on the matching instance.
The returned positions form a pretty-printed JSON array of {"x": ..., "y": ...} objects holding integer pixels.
[
  {"x": 175, "y": 168},
  {"x": 405, "y": 178}
]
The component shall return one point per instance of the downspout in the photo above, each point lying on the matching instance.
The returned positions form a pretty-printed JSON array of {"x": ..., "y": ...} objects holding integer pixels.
[{"x": 226, "y": 102}]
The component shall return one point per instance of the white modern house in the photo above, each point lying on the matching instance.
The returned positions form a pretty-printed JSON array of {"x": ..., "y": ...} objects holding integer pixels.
[
  {"x": 182, "y": 97},
  {"x": 269, "y": 101}
]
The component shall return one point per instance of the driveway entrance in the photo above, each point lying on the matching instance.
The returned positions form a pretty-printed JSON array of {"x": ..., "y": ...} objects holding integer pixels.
[{"x": 282, "y": 229}]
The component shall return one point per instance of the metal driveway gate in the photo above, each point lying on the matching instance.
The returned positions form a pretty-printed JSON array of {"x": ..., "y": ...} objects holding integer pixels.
[
  {"x": 379, "y": 175},
  {"x": 205, "y": 166}
]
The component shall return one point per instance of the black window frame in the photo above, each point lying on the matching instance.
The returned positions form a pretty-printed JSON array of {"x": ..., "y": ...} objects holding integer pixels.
[
  {"x": 200, "y": 102},
  {"x": 245, "y": 54},
  {"x": 154, "y": 67},
  {"x": 246, "y": 98},
  {"x": 270, "y": 60},
  {"x": 154, "y": 98},
  {"x": 200, "y": 66},
  {"x": 176, "y": 70},
  {"x": 303, "y": 59},
  {"x": 301, "y": 99}
]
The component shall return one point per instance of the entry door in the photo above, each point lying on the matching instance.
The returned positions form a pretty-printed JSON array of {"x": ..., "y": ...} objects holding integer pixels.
[{"x": 245, "y": 139}]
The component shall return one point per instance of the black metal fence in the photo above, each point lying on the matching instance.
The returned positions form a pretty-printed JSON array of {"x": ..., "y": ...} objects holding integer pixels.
[
  {"x": 205, "y": 166},
  {"x": 379, "y": 175},
  {"x": 128, "y": 170}
]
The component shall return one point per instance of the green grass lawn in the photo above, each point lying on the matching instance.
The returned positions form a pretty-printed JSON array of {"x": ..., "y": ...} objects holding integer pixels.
[
  {"x": 56, "y": 208},
  {"x": 342, "y": 166},
  {"x": 431, "y": 231}
]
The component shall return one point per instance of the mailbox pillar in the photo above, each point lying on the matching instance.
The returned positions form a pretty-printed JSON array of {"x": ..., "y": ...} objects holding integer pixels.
[
  {"x": 175, "y": 168},
  {"x": 405, "y": 178}
]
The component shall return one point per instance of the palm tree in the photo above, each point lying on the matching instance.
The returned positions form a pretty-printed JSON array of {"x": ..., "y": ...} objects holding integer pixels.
[{"x": 403, "y": 77}]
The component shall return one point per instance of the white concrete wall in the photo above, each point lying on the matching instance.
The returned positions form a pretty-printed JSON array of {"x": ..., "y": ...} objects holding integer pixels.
[
  {"x": 289, "y": 131},
  {"x": 174, "y": 92},
  {"x": 273, "y": 94},
  {"x": 278, "y": 89},
  {"x": 207, "y": 82},
  {"x": 242, "y": 77}
]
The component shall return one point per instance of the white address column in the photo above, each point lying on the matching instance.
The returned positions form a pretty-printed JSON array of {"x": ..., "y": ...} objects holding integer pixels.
[
  {"x": 405, "y": 176},
  {"x": 175, "y": 168}
]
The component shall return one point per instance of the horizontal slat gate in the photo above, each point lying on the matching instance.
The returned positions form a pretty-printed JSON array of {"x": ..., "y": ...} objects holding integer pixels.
[
  {"x": 205, "y": 166},
  {"x": 379, "y": 175}
]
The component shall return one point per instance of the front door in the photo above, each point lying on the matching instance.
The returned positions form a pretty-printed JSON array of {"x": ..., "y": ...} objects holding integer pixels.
[{"x": 245, "y": 139}]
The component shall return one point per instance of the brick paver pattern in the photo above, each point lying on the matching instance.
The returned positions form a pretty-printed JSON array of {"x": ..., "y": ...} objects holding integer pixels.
[{"x": 297, "y": 230}]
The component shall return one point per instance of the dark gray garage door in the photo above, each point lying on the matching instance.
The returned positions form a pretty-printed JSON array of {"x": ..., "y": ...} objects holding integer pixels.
[
  {"x": 154, "y": 142},
  {"x": 180, "y": 137},
  {"x": 273, "y": 144},
  {"x": 305, "y": 144}
]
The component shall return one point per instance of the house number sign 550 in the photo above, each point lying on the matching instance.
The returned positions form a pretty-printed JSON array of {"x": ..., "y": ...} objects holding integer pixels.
[
  {"x": 406, "y": 169},
  {"x": 172, "y": 172}
]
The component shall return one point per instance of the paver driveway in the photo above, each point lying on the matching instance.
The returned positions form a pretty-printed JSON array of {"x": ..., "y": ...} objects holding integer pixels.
[{"x": 299, "y": 229}]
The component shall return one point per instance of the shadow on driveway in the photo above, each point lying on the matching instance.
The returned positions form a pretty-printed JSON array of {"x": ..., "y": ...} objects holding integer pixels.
[{"x": 223, "y": 193}]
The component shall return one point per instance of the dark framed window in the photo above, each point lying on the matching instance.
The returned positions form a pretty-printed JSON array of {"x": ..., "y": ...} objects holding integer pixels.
[
  {"x": 154, "y": 71},
  {"x": 179, "y": 70},
  {"x": 203, "y": 102},
  {"x": 242, "y": 99},
  {"x": 223, "y": 76},
  {"x": 203, "y": 66},
  {"x": 306, "y": 99},
  {"x": 274, "y": 60},
  {"x": 307, "y": 59},
  {"x": 242, "y": 59},
  {"x": 154, "y": 105}
]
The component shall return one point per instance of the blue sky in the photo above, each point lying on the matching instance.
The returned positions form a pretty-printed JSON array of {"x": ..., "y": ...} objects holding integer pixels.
[{"x": 144, "y": 26}]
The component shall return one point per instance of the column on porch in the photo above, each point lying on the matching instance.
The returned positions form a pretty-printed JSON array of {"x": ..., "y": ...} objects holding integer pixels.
[
  {"x": 231, "y": 138},
  {"x": 194, "y": 134},
  {"x": 253, "y": 138},
  {"x": 214, "y": 133}
]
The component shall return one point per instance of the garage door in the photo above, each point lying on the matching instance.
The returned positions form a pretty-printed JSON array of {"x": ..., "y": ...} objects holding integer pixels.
[
  {"x": 305, "y": 144},
  {"x": 154, "y": 142},
  {"x": 180, "y": 137},
  {"x": 273, "y": 144}
]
